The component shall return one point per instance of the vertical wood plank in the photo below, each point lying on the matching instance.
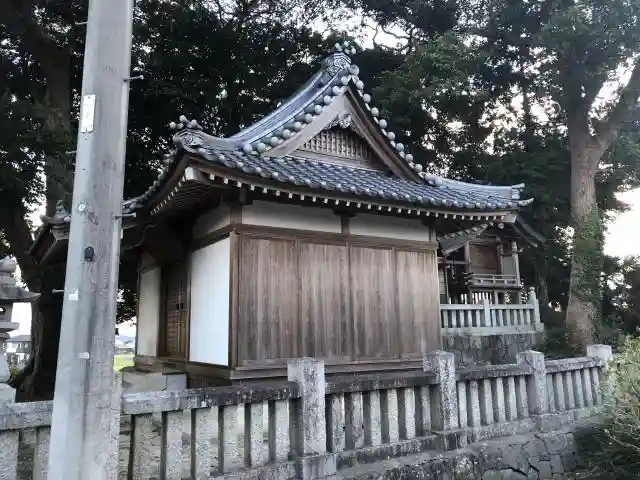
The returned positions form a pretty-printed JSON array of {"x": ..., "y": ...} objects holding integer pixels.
[
  {"x": 268, "y": 312},
  {"x": 324, "y": 303},
  {"x": 373, "y": 302},
  {"x": 418, "y": 310}
]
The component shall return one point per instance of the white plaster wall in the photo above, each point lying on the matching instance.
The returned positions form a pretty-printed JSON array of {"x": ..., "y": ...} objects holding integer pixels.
[
  {"x": 390, "y": 227},
  {"x": 211, "y": 221},
  {"x": 291, "y": 216},
  {"x": 148, "y": 313},
  {"x": 209, "y": 318}
]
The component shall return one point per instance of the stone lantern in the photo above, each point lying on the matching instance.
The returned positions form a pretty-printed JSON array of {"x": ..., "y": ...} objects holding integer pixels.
[{"x": 10, "y": 293}]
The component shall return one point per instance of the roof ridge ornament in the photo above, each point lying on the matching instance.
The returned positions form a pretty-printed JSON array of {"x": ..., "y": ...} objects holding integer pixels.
[
  {"x": 337, "y": 61},
  {"x": 184, "y": 122}
]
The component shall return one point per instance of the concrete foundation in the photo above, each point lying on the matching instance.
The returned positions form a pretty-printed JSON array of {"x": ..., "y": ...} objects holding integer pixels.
[
  {"x": 499, "y": 349},
  {"x": 539, "y": 456}
]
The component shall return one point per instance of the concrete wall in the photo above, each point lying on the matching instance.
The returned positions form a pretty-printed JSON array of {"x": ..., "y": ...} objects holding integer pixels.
[{"x": 490, "y": 349}]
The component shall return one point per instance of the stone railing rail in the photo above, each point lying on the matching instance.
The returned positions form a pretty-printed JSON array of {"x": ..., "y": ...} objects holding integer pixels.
[
  {"x": 309, "y": 426},
  {"x": 491, "y": 318},
  {"x": 32, "y": 422}
]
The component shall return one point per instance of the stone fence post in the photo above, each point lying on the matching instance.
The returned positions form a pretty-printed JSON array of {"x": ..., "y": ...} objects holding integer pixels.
[
  {"x": 444, "y": 400},
  {"x": 533, "y": 300},
  {"x": 603, "y": 352},
  {"x": 536, "y": 382},
  {"x": 309, "y": 428}
]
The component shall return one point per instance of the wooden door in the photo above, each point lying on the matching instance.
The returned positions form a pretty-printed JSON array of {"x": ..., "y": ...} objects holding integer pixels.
[
  {"x": 176, "y": 314},
  {"x": 484, "y": 258}
]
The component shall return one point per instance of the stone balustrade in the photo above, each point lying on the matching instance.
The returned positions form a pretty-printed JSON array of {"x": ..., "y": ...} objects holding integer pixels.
[
  {"x": 490, "y": 318},
  {"x": 310, "y": 426},
  {"x": 227, "y": 430},
  {"x": 25, "y": 423},
  {"x": 369, "y": 415}
]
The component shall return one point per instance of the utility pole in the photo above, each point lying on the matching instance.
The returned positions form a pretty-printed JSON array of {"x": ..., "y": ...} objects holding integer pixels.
[{"x": 81, "y": 426}]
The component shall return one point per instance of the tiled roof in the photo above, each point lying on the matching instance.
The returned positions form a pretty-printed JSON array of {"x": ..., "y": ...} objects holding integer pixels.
[
  {"x": 251, "y": 148},
  {"x": 352, "y": 181},
  {"x": 19, "y": 339}
]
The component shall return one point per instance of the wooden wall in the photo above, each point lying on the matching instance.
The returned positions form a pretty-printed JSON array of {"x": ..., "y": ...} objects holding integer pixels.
[
  {"x": 484, "y": 257},
  {"x": 335, "y": 299}
]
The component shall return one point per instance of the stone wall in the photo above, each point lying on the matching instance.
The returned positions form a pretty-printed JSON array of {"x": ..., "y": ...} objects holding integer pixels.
[
  {"x": 488, "y": 349},
  {"x": 534, "y": 456}
]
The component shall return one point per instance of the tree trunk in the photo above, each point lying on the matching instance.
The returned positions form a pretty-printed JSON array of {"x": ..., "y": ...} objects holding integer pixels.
[
  {"x": 37, "y": 380},
  {"x": 540, "y": 261},
  {"x": 586, "y": 261}
]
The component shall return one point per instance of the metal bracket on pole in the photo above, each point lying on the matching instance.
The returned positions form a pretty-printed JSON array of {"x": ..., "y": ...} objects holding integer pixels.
[
  {"x": 56, "y": 291},
  {"x": 131, "y": 79},
  {"x": 80, "y": 24},
  {"x": 126, "y": 215}
]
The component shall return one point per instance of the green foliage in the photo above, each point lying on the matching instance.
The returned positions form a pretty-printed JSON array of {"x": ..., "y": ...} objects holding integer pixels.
[
  {"x": 13, "y": 371},
  {"x": 621, "y": 301},
  {"x": 612, "y": 452},
  {"x": 556, "y": 344},
  {"x": 454, "y": 100}
]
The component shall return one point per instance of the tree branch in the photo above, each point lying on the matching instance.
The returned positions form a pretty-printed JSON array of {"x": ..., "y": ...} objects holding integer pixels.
[
  {"x": 18, "y": 235},
  {"x": 621, "y": 112}
]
